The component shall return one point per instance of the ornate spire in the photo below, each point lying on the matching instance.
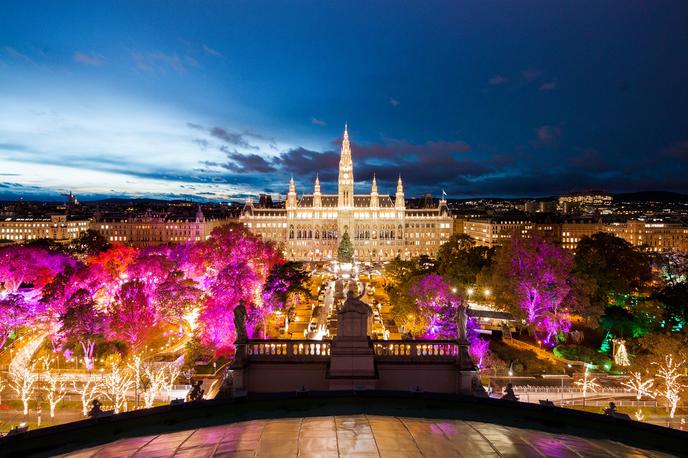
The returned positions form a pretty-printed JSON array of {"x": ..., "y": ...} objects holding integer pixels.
[
  {"x": 399, "y": 198},
  {"x": 346, "y": 173},
  {"x": 317, "y": 184},
  {"x": 373, "y": 189},
  {"x": 292, "y": 185}
]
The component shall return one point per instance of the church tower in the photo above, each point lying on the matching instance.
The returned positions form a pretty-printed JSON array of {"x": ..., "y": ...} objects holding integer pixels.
[
  {"x": 374, "y": 196},
  {"x": 291, "y": 196},
  {"x": 399, "y": 198},
  {"x": 346, "y": 173},
  {"x": 317, "y": 196}
]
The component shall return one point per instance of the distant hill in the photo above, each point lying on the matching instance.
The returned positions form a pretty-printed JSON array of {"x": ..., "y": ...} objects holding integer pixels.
[{"x": 655, "y": 196}]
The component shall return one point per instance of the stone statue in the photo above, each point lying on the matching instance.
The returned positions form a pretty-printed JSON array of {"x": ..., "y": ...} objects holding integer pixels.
[
  {"x": 240, "y": 323},
  {"x": 355, "y": 304},
  {"x": 461, "y": 323},
  {"x": 196, "y": 392},
  {"x": 95, "y": 410}
]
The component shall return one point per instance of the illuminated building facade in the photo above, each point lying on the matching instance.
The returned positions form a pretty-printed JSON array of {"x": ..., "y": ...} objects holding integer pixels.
[
  {"x": 380, "y": 227},
  {"x": 151, "y": 229},
  {"x": 55, "y": 227}
]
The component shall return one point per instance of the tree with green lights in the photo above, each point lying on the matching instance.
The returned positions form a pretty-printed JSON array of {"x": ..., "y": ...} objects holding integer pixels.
[{"x": 346, "y": 249}]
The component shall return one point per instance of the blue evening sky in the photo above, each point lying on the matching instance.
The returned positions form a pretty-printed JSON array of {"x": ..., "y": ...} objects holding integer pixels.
[{"x": 219, "y": 99}]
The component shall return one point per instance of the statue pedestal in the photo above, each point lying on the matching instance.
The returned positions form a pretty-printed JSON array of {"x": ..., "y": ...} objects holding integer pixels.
[
  {"x": 468, "y": 379},
  {"x": 352, "y": 360}
]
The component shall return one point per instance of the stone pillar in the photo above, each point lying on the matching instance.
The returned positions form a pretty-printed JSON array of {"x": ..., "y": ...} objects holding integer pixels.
[{"x": 352, "y": 360}]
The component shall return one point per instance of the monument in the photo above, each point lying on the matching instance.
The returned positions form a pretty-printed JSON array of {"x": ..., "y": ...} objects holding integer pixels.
[{"x": 352, "y": 360}]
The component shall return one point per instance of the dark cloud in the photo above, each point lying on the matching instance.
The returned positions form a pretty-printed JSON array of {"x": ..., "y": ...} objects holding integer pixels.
[
  {"x": 548, "y": 135},
  {"x": 678, "y": 151},
  {"x": 550, "y": 86},
  {"x": 531, "y": 73},
  {"x": 497, "y": 80},
  {"x": 248, "y": 163},
  {"x": 589, "y": 159}
]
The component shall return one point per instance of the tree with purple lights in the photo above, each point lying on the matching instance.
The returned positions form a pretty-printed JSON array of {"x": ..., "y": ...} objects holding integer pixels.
[
  {"x": 14, "y": 313},
  {"x": 177, "y": 296},
  {"x": 132, "y": 315},
  {"x": 533, "y": 279},
  {"x": 29, "y": 265},
  {"x": 436, "y": 305},
  {"x": 83, "y": 322}
]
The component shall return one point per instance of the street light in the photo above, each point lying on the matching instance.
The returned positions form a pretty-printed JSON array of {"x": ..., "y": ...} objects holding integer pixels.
[
  {"x": 470, "y": 292},
  {"x": 487, "y": 292}
]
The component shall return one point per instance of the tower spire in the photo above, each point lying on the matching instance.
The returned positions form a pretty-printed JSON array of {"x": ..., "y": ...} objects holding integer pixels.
[
  {"x": 346, "y": 172},
  {"x": 399, "y": 202}
]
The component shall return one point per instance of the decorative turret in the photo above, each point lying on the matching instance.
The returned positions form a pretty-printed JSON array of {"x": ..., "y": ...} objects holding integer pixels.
[
  {"x": 374, "y": 197},
  {"x": 200, "y": 217},
  {"x": 317, "y": 197},
  {"x": 399, "y": 198},
  {"x": 346, "y": 173},
  {"x": 291, "y": 196}
]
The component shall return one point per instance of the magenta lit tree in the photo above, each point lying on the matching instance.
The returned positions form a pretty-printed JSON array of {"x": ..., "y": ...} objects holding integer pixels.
[
  {"x": 132, "y": 315},
  {"x": 84, "y": 323},
  {"x": 437, "y": 306},
  {"x": 177, "y": 296},
  {"x": 536, "y": 276},
  {"x": 30, "y": 266},
  {"x": 14, "y": 313}
]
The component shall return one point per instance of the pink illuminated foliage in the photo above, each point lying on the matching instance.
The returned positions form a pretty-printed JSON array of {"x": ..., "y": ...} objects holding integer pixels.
[
  {"x": 537, "y": 277},
  {"x": 437, "y": 305},
  {"x": 125, "y": 294},
  {"x": 83, "y": 323},
  {"x": 131, "y": 315},
  {"x": 14, "y": 313}
]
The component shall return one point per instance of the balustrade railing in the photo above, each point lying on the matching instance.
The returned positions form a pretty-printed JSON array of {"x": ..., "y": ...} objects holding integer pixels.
[
  {"x": 287, "y": 349},
  {"x": 405, "y": 350},
  {"x": 387, "y": 350}
]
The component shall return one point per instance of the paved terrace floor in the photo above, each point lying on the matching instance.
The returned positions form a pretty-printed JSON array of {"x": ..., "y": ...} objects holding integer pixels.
[{"x": 361, "y": 436}]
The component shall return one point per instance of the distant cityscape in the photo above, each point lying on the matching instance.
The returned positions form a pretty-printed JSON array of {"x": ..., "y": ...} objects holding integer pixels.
[{"x": 656, "y": 222}]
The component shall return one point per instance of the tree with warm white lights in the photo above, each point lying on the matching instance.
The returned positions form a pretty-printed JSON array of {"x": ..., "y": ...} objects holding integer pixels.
[
  {"x": 87, "y": 391},
  {"x": 639, "y": 384},
  {"x": 116, "y": 384},
  {"x": 670, "y": 373},
  {"x": 23, "y": 382},
  {"x": 155, "y": 378},
  {"x": 53, "y": 386},
  {"x": 587, "y": 383}
]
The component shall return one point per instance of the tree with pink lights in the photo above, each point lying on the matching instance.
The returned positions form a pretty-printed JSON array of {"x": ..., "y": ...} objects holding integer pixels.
[
  {"x": 14, "y": 313},
  {"x": 177, "y": 296},
  {"x": 30, "y": 265},
  {"x": 236, "y": 264},
  {"x": 132, "y": 315},
  {"x": 436, "y": 305},
  {"x": 83, "y": 322},
  {"x": 533, "y": 279},
  {"x": 234, "y": 283}
]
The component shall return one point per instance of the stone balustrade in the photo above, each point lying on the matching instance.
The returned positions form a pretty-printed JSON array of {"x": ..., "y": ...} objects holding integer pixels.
[
  {"x": 387, "y": 350},
  {"x": 415, "y": 350},
  {"x": 287, "y": 350}
]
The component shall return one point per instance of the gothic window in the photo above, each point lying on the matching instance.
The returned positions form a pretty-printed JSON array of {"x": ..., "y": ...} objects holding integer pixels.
[{"x": 291, "y": 232}]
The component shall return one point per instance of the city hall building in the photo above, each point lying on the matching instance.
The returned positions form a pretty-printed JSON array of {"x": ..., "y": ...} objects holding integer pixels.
[{"x": 380, "y": 227}]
